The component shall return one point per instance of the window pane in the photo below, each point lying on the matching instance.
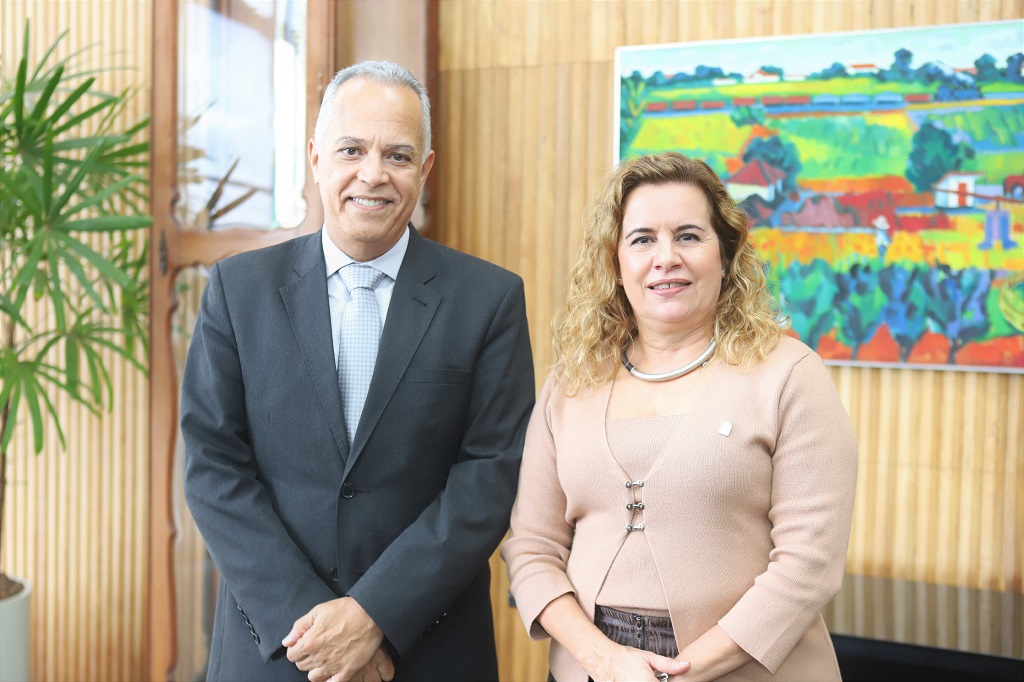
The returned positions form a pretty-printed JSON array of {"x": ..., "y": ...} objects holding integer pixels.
[{"x": 241, "y": 98}]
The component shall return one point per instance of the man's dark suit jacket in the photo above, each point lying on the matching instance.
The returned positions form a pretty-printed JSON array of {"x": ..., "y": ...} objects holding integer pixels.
[{"x": 406, "y": 519}]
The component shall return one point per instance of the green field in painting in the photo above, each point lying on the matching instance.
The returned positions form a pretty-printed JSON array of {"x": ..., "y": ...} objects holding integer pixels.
[
  {"x": 999, "y": 126},
  {"x": 995, "y": 166},
  {"x": 1000, "y": 87},
  {"x": 1002, "y": 127},
  {"x": 835, "y": 86},
  {"x": 711, "y": 137},
  {"x": 881, "y": 143},
  {"x": 1000, "y": 326},
  {"x": 823, "y": 143}
]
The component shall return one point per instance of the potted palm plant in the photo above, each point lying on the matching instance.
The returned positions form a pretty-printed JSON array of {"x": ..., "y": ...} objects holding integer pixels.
[{"x": 72, "y": 250}]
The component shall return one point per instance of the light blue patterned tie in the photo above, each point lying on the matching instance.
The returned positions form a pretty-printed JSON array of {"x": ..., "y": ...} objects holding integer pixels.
[{"x": 360, "y": 336}]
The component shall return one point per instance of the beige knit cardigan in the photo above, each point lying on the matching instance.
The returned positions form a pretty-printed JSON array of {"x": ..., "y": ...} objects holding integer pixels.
[{"x": 747, "y": 512}]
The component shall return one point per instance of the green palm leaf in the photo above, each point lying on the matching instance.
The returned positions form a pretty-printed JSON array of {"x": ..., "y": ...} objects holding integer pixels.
[{"x": 58, "y": 187}]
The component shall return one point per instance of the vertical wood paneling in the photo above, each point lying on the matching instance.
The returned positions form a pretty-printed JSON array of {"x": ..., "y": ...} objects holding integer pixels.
[
  {"x": 77, "y": 517},
  {"x": 527, "y": 91}
]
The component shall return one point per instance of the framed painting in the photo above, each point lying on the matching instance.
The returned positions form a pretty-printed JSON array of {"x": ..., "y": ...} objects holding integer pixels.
[{"x": 882, "y": 173}]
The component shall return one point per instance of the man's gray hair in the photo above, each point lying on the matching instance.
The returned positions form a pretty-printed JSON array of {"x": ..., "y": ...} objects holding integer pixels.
[{"x": 386, "y": 73}]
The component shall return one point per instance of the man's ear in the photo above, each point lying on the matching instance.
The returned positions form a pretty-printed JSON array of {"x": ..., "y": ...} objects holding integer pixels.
[
  {"x": 314, "y": 157},
  {"x": 428, "y": 163}
]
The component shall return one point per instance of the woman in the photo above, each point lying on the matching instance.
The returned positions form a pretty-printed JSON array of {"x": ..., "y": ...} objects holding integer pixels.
[{"x": 687, "y": 484}]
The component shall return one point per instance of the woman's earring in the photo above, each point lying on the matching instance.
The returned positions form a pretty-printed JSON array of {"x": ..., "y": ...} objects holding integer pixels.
[{"x": 618, "y": 280}]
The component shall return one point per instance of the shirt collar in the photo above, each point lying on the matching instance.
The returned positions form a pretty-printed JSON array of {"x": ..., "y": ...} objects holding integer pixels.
[{"x": 389, "y": 262}]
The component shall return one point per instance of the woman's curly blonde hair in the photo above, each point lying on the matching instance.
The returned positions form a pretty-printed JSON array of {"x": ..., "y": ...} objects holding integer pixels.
[{"x": 596, "y": 320}]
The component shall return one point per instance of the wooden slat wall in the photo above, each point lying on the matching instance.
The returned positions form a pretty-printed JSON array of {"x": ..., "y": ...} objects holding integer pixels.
[
  {"x": 525, "y": 135},
  {"x": 940, "y": 501},
  {"x": 78, "y": 518}
]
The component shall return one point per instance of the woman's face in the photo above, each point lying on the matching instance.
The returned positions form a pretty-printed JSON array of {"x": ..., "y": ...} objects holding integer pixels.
[{"x": 669, "y": 257}]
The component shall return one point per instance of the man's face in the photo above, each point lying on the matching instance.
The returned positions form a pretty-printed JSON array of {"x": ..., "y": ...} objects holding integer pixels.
[{"x": 370, "y": 166}]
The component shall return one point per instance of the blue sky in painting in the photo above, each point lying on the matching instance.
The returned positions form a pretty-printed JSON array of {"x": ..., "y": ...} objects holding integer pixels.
[{"x": 955, "y": 45}]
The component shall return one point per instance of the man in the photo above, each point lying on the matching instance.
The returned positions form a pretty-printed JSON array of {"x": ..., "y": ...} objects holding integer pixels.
[{"x": 352, "y": 517}]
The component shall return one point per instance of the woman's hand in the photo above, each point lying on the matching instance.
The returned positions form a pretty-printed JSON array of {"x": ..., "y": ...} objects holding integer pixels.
[
  {"x": 712, "y": 655},
  {"x": 620, "y": 663},
  {"x": 602, "y": 658}
]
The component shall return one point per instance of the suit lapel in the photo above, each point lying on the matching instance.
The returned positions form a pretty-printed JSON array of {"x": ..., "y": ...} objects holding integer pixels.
[
  {"x": 411, "y": 309},
  {"x": 305, "y": 300}
]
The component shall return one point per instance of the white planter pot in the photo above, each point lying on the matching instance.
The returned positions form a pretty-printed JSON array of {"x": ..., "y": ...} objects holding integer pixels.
[{"x": 15, "y": 640}]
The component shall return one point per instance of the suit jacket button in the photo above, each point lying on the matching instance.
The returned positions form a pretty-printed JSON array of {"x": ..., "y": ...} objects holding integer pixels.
[
  {"x": 348, "y": 491},
  {"x": 334, "y": 574}
]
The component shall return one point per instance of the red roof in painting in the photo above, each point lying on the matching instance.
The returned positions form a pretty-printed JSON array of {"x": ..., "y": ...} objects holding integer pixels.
[{"x": 757, "y": 173}]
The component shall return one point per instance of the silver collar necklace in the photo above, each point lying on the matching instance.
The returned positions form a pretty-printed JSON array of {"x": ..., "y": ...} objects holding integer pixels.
[{"x": 703, "y": 359}]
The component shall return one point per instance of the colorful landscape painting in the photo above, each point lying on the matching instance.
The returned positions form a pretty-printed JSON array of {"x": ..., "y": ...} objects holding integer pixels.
[{"x": 882, "y": 172}]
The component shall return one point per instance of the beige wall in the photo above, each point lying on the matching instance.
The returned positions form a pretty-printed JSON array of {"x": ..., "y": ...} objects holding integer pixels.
[
  {"x": 526, "y": 133},
  {"x": 383, "y": 29}
]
